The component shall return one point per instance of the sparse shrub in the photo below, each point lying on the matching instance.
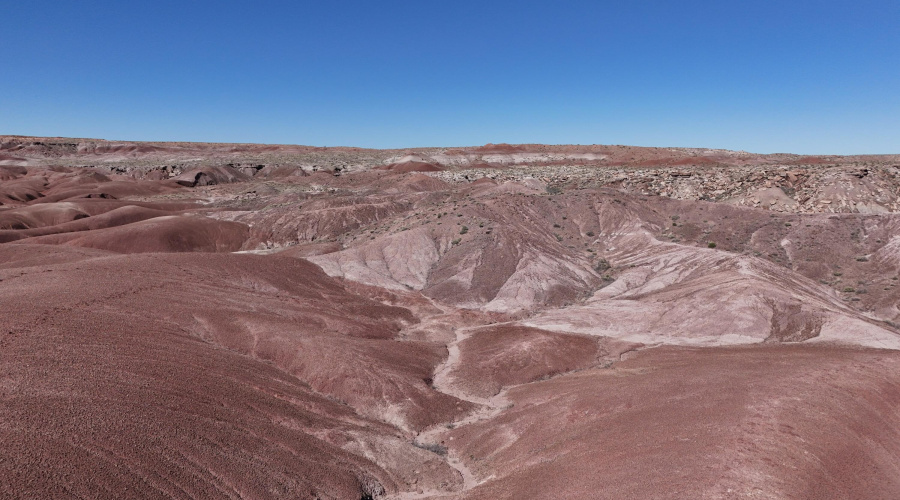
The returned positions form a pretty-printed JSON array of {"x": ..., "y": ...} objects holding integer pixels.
[
  {"x": 862, "y": 259},
  {"x": 432, "y": 447},
  {"x": 601, "y": 266},
  {"x": 590, "y": 234},
  {"x": 837, "y": 274},
  {"x": 557, "y": 226},
  {"x": 456, "y": 241},
  {"x": 558, "y": 237},
  {"x": 464, "y": 230},
  {"x": 849, "y": 289},
  {"x": 711, "y": 244}
]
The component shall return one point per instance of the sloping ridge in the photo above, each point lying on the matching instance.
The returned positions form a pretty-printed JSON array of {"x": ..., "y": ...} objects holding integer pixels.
[{"x": 216, "y": 375}]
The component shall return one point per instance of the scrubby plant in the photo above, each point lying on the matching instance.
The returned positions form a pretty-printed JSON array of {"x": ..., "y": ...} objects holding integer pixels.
[
  {"x": 432, "y": 447},
  {"x": 711, "y": 244}
]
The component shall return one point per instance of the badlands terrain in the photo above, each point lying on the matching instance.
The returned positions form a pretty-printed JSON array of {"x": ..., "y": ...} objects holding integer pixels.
[{"x": 185, "y": 320}]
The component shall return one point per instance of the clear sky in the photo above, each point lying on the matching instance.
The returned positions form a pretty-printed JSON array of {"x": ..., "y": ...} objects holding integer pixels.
[{"x": 763, "y": 76}]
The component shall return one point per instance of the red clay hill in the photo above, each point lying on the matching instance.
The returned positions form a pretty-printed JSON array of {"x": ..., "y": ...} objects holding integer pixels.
[{"x": 186, "y": 320}]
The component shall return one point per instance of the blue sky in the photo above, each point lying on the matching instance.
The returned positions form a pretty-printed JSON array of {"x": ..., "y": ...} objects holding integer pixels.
[{"x": 763, "y": 76}]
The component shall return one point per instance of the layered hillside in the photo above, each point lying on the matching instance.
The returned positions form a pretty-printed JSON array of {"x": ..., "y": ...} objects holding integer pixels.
[{"x": 249, "y": 321}]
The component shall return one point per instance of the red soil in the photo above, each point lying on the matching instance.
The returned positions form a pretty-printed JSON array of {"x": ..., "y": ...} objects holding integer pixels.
[
  {"x": 774, "y": 422},
  {"x": 160, "y": 234},
  {"x": 143, "y": 357},
  {"x": 155, "y": 398},
  {"x": 496, "y": 357}
]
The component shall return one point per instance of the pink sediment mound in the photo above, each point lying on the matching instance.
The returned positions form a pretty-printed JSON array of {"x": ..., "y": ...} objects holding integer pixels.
[
  {"x": 21, "y": 190},
  {"x": 160, "y": 234},
  {"x": 8, "y": 173},
  {"x": 127, "y": 214},
  {"x": 42, "y": 215}
]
